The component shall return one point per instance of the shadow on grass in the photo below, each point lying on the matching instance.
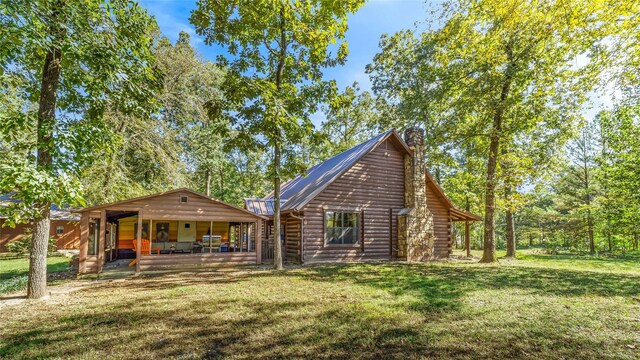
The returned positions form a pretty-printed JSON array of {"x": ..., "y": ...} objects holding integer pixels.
[
  {"x": 628, "y": 258},
  {"x": 441, "y": 286},
  {"x": 308, "y": 312}
]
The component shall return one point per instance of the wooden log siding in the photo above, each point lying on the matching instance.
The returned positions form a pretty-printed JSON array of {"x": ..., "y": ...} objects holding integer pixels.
[
  {"x": 91, "y": 264},
  {"x": 441, "y": 223},
  {"x": 293, "y": 233},
  {"x": 197, "y": 260},
  {"x": 374, "y": 185}
]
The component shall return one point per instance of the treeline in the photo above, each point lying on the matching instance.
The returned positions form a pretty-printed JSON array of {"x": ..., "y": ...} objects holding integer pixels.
[{"x": 592, "y": 202}]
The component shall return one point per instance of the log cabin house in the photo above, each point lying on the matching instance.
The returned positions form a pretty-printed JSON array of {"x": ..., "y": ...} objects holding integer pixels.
[{"x": 375, "y": 201}]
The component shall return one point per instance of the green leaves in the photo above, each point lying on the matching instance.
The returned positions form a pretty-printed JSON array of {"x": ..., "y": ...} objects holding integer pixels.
[
  {"x": 277, "y": 50},
  {"x": 106, "y": 62}
]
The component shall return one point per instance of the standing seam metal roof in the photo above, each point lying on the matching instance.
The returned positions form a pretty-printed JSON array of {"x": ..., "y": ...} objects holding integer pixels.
[
  {"x": 304, "y": 188},
  {"x": 261, "y": 206}
]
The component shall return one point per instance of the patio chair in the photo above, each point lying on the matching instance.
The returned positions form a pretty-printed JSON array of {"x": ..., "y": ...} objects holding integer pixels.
[{"x": 146, "y": 249}]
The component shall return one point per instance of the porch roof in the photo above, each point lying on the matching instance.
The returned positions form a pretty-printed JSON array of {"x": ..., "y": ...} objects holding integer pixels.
[
  {"x": 261, "y": 206},
  {"x": 151, "y": 196}
]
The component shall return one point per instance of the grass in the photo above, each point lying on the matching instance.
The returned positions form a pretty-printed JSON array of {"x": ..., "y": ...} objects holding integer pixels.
[
  {"x": 536, "y": 308},
  {"x": 13, "y": 271},
  {"x": 627, "y": 263}
]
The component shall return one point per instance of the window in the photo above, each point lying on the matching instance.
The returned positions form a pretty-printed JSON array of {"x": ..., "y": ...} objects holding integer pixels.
[
  {"x": 187, "y": 226},
  {"x": 341, "y": 228},
  {"x": 94, "y": 234},
  {"x": 59, "y": 229},
  {"x": 183, "y": 199}
]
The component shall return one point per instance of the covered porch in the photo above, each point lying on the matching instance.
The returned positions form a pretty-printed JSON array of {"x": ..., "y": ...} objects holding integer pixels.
[{"x": 180, "y": 228}]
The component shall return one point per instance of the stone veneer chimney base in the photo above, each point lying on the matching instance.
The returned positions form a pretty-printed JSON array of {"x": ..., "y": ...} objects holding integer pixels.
[{"x": 416, "y": 238}]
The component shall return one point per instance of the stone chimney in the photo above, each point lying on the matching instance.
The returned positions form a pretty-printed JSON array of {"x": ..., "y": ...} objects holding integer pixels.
[{"x": 415, "y": 236}]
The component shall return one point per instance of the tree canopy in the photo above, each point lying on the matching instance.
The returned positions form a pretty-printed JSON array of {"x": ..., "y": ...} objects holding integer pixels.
[{"x": 277, "y": 51}]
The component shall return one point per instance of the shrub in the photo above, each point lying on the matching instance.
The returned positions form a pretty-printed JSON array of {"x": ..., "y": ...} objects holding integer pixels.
[{"x": 22, "y": 246}]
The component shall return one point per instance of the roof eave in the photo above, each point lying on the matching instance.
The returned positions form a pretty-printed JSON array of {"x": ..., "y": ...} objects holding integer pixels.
[{"x": 165, "y": 193}]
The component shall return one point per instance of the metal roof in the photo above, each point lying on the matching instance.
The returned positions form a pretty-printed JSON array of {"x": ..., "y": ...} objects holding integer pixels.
[
  {"x": 303, "y": 188},
  {"x": 57, "y": 213},
  {"x": 261, "y": 206}
]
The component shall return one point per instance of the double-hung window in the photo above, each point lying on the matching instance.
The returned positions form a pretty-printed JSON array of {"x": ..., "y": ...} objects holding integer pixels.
[{"x": 341, "y": 228}]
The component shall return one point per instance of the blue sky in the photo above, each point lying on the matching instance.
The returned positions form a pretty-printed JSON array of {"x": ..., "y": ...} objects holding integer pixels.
[{"x": 375, "y": 18}]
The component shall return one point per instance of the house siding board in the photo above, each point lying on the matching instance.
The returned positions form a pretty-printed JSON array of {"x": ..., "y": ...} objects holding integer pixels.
[
  {"x": 374, "y": 185},
  {"x": 441, "y": 223},
  {"x": 153, "y": 261},
  {"x": 293, "y": 232}
]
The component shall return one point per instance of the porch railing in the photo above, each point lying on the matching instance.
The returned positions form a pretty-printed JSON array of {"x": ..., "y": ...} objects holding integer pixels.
[{"x": 267, "y": 250}]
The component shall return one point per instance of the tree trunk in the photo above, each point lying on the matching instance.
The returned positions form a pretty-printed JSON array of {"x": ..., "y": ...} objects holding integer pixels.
[
  {"x": 489, "y": 253},
  {"x": 609, "y": 240},
  {"x": 277, "y": 256},
  {"x": 592, "y": 245},
  {"x": 208, "y": 181},
  {"x": 510, "y": 234},
  {"x": 635, "y": 241},
  {"x": 37, "y": 279},
  {"x": 222, "y": 181},
  {"x": 467, "y": 238},
  {"x": 530, "y": 239}
]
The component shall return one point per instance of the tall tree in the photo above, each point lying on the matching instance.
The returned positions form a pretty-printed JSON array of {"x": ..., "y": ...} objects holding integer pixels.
[
  {"x": 181, "y": 144},
  {"x": 277, "y": 51},
  {"x": 351, "y": 118},
  {"x": 619, "y": 172},
  {"x": 495, "y": 72},
  {"x": 192, "y": 104},
  {"x": 577, "y": 187},
  {"x": 74, "y": 57}
]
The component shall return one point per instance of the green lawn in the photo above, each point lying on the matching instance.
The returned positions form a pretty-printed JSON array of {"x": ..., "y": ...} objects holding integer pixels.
[
  {"x": 629, "y": 262},
  {"x": 13, "y": 271},
  {"x": 541, "y": 307}
]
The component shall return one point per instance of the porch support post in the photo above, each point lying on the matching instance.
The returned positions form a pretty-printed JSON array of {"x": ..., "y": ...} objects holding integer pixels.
[
  {"x": 150, "y": 235},
  {"x": 259, "y": 241},
  {"x": 450, "y": 234},
  {"x": 467, "y": 238},
  {"x": 84, "y": 242},
  {"x": 101, "y": 238},
  {"x": 249, "y": 233},
  {"x": 211, "y": 237},
  {"x": 139, "y": 241}
]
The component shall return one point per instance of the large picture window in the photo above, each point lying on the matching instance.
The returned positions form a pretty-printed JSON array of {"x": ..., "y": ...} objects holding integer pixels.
[{"x": 341, "y": 228}]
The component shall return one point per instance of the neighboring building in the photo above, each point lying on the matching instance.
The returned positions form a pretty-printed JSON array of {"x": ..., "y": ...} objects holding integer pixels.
[
  {"x": 64, "y": 227},
  {"x": 375, "y": 201}
]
